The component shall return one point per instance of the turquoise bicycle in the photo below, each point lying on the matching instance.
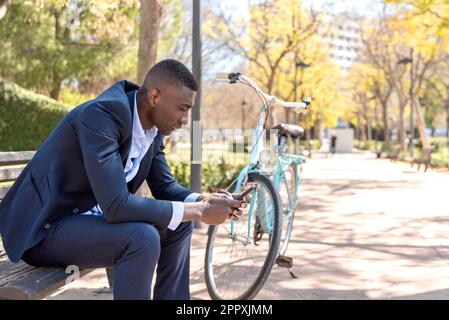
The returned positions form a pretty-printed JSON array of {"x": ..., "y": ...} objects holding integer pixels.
[{"x": 240, "y": 254}]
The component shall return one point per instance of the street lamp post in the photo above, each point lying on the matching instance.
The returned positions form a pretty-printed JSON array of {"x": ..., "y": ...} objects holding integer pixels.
[
  {"x": 412, "y": 108},
  {"x": 195, "y": 154},
  {"x": 405, "y": 61},
  {"x": 295, "y": 97},
  {"x": 300, "y": 64}
]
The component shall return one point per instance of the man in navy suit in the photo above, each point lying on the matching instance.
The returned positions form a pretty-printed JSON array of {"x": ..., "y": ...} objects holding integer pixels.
[{"x": 75, "y": 202}]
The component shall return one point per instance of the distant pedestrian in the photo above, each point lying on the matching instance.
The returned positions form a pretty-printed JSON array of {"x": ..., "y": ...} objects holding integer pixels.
[
  {"x": 333, "y": 142},
  {"x": 408, "y": 140}
]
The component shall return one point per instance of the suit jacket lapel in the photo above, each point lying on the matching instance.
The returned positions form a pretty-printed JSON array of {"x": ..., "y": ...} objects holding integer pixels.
[
  {"x": 144, "y": 166},
  {"x": 124, "y": 153}
]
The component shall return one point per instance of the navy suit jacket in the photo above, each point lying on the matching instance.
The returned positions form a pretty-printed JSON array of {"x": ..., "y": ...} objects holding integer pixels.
[{"x": 80, "y": 164}]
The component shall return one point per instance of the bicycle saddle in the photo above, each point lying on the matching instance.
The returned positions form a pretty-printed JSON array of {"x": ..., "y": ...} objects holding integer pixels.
[{"x": 291, "y": 130}]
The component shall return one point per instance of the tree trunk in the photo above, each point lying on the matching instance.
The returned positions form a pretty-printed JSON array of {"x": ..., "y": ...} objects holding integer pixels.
[
  {"x": 368, "y": 130},
  {"x": 56, "y": 89},
  {"x": 402, "y": 104},
  {"x": 447, "y": 123},
  {"x": 401, "y": 126},
  {"x": 386, "y": 127},
  {"x": 56, "y": 84},
  {"x": 360, "y": 127},
  {"x": 317, "y": 129},
  {"x": 150, "y": 18},
  {"x": 447, "y": 129},
  {"x": 421, "y": 125},
  {"x": 367, "y": 127}
]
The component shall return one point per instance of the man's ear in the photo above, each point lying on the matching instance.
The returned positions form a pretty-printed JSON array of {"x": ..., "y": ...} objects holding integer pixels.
[{"x": 153, "y": 96}]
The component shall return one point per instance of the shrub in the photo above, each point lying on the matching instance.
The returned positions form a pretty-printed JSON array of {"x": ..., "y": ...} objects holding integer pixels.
[
  {"x": 214, "y": 176},
  {"x": 26, "y": 118}
]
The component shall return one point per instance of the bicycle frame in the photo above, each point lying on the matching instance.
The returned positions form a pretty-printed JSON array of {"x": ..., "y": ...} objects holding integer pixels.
[
  {"x": 263, "y": 229},
  {"x": 283, "y": 162},
  {"x": 255, "y": 165}
]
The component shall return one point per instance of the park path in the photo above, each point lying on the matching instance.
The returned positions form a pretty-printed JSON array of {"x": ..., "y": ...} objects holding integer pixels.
[{"x": 365, "y": 229}]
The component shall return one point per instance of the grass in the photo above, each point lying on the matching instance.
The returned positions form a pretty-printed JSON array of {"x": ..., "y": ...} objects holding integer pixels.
[{"x": 440, "y": 157}]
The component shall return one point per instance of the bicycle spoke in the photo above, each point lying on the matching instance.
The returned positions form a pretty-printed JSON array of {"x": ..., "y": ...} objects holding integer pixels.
[{"x": 236, "y": 264}]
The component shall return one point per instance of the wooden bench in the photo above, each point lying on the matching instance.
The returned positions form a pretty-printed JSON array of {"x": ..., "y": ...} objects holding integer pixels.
[
  {"x": 425, "y": 158},
  {"x": 20, "y": 280},
  {"x": 394, "y": 154}
]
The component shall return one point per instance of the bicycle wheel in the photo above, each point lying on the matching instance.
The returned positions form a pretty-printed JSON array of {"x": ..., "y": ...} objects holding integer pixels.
[
  {"x": 288, "y": 200},
  {"x": 237, "y": 265}
]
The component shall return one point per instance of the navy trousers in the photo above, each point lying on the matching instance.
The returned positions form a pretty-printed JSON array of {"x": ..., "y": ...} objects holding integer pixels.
[{"x": 133, "y": 249}]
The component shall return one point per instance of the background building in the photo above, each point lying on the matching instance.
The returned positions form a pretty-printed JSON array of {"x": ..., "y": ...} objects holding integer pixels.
[{"x": 342, "y": 33}]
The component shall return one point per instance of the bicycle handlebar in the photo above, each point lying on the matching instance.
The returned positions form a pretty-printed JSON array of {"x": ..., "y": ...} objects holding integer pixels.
[{"x": 297, "y": 106}]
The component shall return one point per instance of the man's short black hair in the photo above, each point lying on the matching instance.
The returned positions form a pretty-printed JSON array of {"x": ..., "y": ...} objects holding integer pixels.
[{"x": 172, "y": 72}]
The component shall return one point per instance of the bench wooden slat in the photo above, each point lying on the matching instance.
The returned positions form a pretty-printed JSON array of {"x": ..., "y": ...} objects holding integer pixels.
[
  {"x": 2, "y": 251},
  {"x": 24, "y": 282},
  {"x": 3, "y": 191},
  {"x": 36, "y": 284},
  {"x": 9, "y": 270},
  {"x": 20, "y": 280},
  {"x": 9, "y": 174},
  {"x": 19, "y": 157}
]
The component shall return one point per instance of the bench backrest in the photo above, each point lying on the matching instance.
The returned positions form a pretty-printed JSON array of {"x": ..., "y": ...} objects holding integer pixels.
[
  {"x": 11, "y": 165},
  {"x": 19, "y": 280}
]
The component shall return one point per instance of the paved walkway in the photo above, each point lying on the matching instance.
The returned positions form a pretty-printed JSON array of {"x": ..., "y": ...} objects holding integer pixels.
[{"x": 366, "y": 229}]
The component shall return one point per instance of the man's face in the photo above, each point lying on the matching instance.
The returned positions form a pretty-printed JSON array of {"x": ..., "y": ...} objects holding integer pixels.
[{"x": 171, "y": 107}]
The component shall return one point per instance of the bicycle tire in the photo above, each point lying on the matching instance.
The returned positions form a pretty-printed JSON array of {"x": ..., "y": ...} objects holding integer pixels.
[
  {"x": 212, "y": 272},
  {"x": 287, "y": 225}
]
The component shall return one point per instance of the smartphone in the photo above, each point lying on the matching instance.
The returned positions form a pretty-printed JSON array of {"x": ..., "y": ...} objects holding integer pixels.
[{"x": 244, "y": 193}]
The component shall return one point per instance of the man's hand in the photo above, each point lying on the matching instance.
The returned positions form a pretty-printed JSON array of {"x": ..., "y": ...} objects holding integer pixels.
[
  {"x": 227, "y": 195},
  {"x": 215, "y": 210},
  {"x": 201, "y": 197},
  {"x": 212, "y": 209},
  {"x": 223, "y": 194}
]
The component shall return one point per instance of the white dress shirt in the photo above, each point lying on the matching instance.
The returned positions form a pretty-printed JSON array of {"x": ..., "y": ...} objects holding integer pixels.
[{"x": 140, "y": 142}]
